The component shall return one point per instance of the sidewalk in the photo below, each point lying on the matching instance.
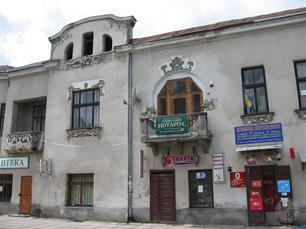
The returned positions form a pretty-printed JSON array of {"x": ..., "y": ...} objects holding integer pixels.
[{"x": 13, "y": 222}]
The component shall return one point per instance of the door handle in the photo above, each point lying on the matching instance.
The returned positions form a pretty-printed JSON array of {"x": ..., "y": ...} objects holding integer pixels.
[{"x": 19, "y": 194}]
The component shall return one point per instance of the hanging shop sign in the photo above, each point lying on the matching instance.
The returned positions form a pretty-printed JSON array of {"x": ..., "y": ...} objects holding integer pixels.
[
  {"x": 237, "y": 179},
  {"x": 14, "y": 162},
  {"x": 259, "y": 133},
  {"x": 181, "y": 160},
  {"x": 174, "y": 124},
  {"x": 218, "y": 167}
]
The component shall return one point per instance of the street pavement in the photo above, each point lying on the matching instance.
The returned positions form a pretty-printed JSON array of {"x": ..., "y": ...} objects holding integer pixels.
[{"x": 17, "y": 222}]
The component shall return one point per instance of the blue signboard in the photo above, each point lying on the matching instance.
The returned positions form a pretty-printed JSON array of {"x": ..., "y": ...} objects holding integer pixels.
[
  {"x": 259, "y": 133},
  {"x": 283, "y": 186}
]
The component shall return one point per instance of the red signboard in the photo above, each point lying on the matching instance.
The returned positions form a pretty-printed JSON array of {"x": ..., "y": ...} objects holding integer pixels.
[
  {"x": 237, "y": 179},
  {"x": 256, "y": 204},
  {"x": 256, "y": 183},
  {"x": 181, "y": 160}
]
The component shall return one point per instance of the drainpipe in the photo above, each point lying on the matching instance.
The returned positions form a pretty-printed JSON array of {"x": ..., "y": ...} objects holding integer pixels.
[{"x": 130, "y": 141}]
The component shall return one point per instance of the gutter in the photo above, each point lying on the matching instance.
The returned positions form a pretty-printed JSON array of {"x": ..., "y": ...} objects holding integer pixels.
[{"x": 130, "y": 140}]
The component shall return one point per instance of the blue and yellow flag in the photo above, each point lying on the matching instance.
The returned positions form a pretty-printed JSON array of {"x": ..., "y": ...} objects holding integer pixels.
[{"x": 247, "y": 101}]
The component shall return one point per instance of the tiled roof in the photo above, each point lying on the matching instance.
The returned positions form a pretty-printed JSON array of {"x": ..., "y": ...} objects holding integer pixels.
[
  {"x": 4, "y": 68},
  {"x": 219, "y": 25}
]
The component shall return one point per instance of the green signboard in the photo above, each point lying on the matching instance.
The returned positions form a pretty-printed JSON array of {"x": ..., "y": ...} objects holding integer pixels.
[{"x": 176, "y": 124}]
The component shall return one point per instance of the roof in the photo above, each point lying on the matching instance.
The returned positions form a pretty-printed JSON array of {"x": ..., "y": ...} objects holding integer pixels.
[
  {"x": 5, "y": 68},
  {"x": 220, "y": 25}
]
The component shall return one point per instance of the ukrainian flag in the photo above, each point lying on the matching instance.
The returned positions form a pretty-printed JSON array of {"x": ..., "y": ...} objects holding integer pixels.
[{"x": 247, "y": 101}]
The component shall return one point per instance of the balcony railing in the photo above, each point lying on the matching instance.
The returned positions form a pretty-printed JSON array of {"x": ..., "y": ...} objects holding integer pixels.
[
  {"x": 21, "y": 142},
  {"x": 181, "y": 128}
]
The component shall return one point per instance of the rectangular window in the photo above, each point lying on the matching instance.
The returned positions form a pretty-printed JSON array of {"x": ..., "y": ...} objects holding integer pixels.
[
  {"x": 2, "y": 112},
  {"x": 80, "y": 190},
  {"x": 86, "y": 108},
  {"x": 39, "y": 113},
  {"x": 6, "y": 181},
  {"x": 300, "y": 74},
  {"x": 87, "y": 43},
  {"x": 201, "y": 189},
  {"x": 254, "y": 91}
]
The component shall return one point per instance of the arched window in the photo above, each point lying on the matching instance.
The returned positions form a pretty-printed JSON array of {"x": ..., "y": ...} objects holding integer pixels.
[
  {"x": 107, "y": 43},
  {"x": 179, "y": 96},
  {"x": 88, "y": 43},
  {"x": 69, "y": 51}
]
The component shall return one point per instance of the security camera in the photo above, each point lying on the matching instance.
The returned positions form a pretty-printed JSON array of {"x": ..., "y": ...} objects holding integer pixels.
[{"x": 211, "y": 83}]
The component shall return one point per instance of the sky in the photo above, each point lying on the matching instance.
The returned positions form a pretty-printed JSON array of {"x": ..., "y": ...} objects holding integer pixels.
[{"x": 25, "y": 25}]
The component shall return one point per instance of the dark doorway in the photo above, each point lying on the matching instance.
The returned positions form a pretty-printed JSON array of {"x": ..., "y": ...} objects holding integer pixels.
[{"x": 162, "y": 196}]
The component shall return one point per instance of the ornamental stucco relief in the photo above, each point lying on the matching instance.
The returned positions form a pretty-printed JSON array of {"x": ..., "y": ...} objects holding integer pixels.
[{"x": 177, "y": 64}]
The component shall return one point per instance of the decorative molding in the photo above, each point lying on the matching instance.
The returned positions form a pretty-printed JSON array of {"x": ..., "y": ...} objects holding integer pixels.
[
  {"x": 301, "y": 113},
  {"x": 210, "y": 105},
  {"x": 60, "y": 40},
  {"x": 90, "y": 60},
  {"x": 258, "y": 119},
  {"x": 87, "y": 132},
  {"x": 23, "y": 137},
  {"x": 177, "y": 64},
  {"x": 150, "y": 112},
  {"x": 87, "y": 84}
]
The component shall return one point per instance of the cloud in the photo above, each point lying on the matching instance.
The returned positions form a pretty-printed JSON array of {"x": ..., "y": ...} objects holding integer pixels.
[{"x": 26, "y": 25}]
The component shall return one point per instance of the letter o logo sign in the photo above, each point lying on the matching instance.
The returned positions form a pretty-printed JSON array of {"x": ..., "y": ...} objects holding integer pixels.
[{"x": 237, "y": 176}]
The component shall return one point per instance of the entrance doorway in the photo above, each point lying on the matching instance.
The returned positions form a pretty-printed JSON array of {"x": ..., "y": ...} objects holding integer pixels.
[
  {"x": 162, "y": 196},
  {"x": 25, "y": 195},
  {"x": 262, "y": 193}
]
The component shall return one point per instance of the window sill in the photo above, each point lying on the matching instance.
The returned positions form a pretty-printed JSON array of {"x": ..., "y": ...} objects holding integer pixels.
[
  {"x": 86, "y": 132},
  {"x": 79, "y": 207},
  {"x": 301, "y": 113},
  {"x": 258, "y": 118}
]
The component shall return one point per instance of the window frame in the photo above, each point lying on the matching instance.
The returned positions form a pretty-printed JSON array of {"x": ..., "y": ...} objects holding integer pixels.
[
  {"x": 2, "y": 114},
  {"x": 203, "y": 181},
  {"x": 188, "y": 95},
  {"x": 68, "y": 49},
  {"x": 85, "y": 43},
  {"x": 7, "y": 183},
  {"x": 254, "y": 86},
  {"x": 69, "y": 183},
  {"x": 106, "y": 40},
  {"x": 41, "y": 118},
  {"x": 298, "y": 81},
  {"x": 79, "y": 105}
]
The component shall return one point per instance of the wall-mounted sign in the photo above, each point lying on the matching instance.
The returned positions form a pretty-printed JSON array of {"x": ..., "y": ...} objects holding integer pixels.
[
  {"x": 181, "y": 160},
  {"x": 218, "y": 167},
  {"x": 174, "y": 124},
  {"x": 283, "y": 186},
  {"x": 237, "y": 179},
  {"x": 14, "y": 162},
  {"x": 259, "y": 133}
]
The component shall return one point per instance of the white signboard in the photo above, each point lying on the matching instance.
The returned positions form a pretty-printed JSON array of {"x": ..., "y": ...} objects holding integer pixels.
[
  {"x": 14, "y": 162},
  {"x": 303, "y": 92},
  {"x": 218, "y": 167}
]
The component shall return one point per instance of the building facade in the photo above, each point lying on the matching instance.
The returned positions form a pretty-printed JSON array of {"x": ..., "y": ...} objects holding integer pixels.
[{"x": 204, "y": 125}]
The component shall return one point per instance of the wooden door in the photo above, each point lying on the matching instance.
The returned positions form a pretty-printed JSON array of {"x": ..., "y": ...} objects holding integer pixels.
[
  {"x": 25, "y": 195},
  {"x": 162, "y": 196},
  {"x": 254, "y": 189}
]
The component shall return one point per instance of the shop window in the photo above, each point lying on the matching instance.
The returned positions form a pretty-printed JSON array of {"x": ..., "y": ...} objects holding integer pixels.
[
  {"x": 254, "y": 91},
  {"x": 201, "y": 189},
  {"x": 86, "y": 108},
  {"x": 107, "y": 43},
  {"x": 39, "y": 113},
  {"x": 69, "y": 51},
  {"x": 179, "y": 96},
  {"x": 6, "y": 181},
  {"x": 88, "y": 43},
  {"x": 300, "y": 74},
  {"x": 2, "y": 112},
  {"x": 80, "y": 190}
]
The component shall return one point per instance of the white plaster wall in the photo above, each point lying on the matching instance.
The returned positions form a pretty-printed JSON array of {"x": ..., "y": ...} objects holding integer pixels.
[{"x": 221, "y": 61}]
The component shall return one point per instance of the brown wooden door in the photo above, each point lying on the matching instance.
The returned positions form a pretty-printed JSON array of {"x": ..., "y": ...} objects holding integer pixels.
[
  {"x": 254, "y": 189},
  {"x": 162, "y": 193},
  {"x": 25, "y": 195}
]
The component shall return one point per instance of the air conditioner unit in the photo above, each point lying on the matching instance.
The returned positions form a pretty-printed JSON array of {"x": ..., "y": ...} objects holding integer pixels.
[{"x": 45, "y": 166}]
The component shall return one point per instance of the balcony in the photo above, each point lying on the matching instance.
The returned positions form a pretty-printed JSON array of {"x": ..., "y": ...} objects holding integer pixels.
[
  {"x": 25, "y": 142},
  {"x": 27, "y": 129},
  {"x": 183, "y": 128}
]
